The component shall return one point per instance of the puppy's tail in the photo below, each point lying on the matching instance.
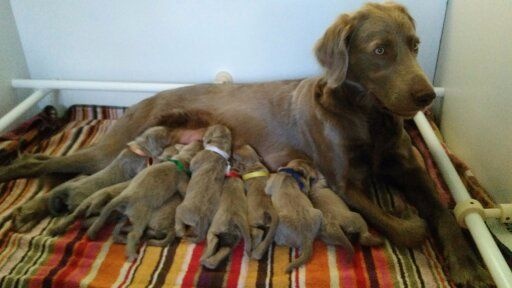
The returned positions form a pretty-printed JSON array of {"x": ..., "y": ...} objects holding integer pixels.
[
  {"x": 307, "y": 252},
  {"x": 109, "y": 208},
  {"x": 259, "y": 250},
  {"x": 246, "y": 233}
]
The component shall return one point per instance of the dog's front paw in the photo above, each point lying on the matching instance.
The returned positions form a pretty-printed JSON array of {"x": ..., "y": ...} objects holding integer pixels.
[{"x": 468, "y": 272}]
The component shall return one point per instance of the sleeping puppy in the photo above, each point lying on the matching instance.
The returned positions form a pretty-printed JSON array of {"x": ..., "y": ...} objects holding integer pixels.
[
  {"x": 125, "y": 166},
  {"x": 160, "y": 231},
  {"x": 146, "y": 193},
  {"x": 263, "y": 218},
  {"x": 299, "y": 222},
  {"x": 338, "y": 219},
  {"x": 195, "y": 213},
  {"x": 90, "y": 208},
  {"x": 229, "y": 224}
]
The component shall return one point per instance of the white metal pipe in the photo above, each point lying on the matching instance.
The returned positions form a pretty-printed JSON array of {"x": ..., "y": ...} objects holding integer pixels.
[
  {"x": 18, "y": 111},
  {"x": 492, "y": 256},
  {"x": 95, "y": 85}
]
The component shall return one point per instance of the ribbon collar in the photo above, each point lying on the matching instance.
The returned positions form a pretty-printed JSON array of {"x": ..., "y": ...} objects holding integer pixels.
[
  {"x": 217, "y": 150},
  {"x": 296, "y": 175},
  {"x": 136, "y": 149},
  {"x": 181, "y": 167},
  {"x": 259, "y": 173},
  {"x": 220, "y": 152},
  {"x": 233, "y": 174}
]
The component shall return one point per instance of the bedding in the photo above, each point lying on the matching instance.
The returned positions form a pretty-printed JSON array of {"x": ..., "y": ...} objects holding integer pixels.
[{"x": 71, "y": 260}]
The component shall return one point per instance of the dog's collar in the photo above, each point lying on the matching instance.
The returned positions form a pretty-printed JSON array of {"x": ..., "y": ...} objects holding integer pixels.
[
  {"x": 220, "y": 152},
  {"x": 259, "y": 173},
  {"x": 135, "y": 149},
  {"x": 296, "y": 175},
  {"x": 181, "y": 167},
  {"x": 217, "y": 150},
  {"x": 233, "y": 174}
]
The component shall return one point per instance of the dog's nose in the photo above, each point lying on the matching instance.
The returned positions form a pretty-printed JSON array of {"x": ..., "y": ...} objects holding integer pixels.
[{"x": 424, "y": 99}]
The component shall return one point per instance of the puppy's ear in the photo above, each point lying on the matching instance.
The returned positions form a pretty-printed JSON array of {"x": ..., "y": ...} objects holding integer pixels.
[
  {"x": 331, "y": 51},
  {"x": 274, "y": 183}
]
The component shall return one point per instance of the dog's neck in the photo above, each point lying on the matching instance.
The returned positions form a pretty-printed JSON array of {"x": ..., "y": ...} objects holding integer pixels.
[{"x": 296, "y": 176}]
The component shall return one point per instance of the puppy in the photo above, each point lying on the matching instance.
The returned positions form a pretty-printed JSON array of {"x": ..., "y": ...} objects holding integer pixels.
[
  {"x": 160, "y": 231},
  {"x": 146, "y": 193},
  {"x": 195, "y": 213},
  {"x": 229, "y": 224},
  {"x": 125, "y": 166},
  {"x": 299, "y": 222},
  {"x": 337, "y": 219},
  {"x": 263, "y": 218}
]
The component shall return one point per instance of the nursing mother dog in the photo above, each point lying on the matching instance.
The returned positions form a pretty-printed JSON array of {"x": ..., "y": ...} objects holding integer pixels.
[{"x": 349, "y": 122}]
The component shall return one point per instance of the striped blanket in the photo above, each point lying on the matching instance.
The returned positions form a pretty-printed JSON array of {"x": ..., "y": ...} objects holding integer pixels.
[{"x": 71, "y": 260}]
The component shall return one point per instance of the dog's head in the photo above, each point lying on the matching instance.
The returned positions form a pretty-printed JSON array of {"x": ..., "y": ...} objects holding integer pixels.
[
  {"x": 246, "y": 158},
  {"x": 305, "y": 169},
  {"x": 376, "y": 47},
  {"x": 152, "y": 141},
  {"x": 219, "y": 136}
]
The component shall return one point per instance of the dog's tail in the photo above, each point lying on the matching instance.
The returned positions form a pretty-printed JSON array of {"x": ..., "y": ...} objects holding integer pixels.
[
  {"x": 259, "y": 250},
  {"x": 245, "y": 230},
  {"x": 307, "y": 252},
  {"x": 105, "y": 213}
]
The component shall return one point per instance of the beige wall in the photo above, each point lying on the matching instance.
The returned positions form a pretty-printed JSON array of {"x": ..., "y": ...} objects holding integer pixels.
[
  {"x": 475, "y": 67},
  {"x": 12, "y": 60}
]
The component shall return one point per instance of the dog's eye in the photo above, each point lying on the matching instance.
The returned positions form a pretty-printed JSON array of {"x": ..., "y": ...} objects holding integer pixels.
[
  {"x": 379, "y": 51},
  {"x": 416, "y": 47}
]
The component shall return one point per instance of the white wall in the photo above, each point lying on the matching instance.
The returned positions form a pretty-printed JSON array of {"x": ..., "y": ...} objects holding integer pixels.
[
  {"x": 475, "y": 67},
  {"x": 12, "y": 61},
  {"x": 188, "y": 41}
]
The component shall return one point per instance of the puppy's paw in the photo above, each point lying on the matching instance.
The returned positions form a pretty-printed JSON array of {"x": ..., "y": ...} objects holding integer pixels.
[
  {"x": 409, "y": 233},
  {"x": 368, "y": 239}
]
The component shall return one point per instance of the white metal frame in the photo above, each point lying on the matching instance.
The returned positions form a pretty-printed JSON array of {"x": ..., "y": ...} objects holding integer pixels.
[{"x": 488, "y": 249}]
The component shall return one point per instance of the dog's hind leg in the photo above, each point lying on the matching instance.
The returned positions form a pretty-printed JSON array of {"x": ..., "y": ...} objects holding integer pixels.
[
  {"x": 306, "y": 253},
  {"x": 109, "y": 208},
  {"x": 262, "y": 247}
]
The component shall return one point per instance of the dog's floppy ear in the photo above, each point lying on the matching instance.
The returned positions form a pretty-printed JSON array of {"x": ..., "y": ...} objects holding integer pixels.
[
  {"x": 331, "y": 51},
  {"x": 274, "y": 183}
]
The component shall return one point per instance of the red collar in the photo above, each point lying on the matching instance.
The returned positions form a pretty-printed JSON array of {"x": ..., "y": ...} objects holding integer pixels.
[{"x": 233, "y": 173}]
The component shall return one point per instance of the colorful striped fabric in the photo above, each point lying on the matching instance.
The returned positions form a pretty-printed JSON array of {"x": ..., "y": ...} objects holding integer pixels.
[{"x": 35, "y": 260}]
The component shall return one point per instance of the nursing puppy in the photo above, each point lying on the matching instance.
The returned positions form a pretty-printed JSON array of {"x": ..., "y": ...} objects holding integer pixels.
[
  {"x": 196, "y": 212},
  {"x": 146, "y": 146},
  {"x": 229, "y": 224},
  {"x": 160, "y": 231},
  {"x": 146, "y": 193},
  {"x": 338, "y": 219},
  {"x": 263, "y": 218},
  {"x": 90, "y": 208},
  {"x": 125, "y": 166},
  {"x": 299, "y": 222}
]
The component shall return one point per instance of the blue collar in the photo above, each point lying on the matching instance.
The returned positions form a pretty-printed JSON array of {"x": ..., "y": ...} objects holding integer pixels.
[{"x": 296, "y": 175}]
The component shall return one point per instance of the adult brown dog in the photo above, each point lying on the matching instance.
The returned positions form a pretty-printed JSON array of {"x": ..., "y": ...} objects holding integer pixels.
[{"x": 349, "y": 122}]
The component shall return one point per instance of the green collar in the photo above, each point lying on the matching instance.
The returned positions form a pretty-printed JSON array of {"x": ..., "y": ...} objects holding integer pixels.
[{"x": 180, "y": 165}]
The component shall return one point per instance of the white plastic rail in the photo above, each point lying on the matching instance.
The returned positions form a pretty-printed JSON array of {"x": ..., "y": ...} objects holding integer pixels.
[
  {"x": 491, "y": 255},
  {"x": 19, "y": 110}
]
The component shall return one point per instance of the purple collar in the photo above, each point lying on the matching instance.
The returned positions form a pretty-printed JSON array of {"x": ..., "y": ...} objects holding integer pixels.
[{"x": 296, "y": 175}]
